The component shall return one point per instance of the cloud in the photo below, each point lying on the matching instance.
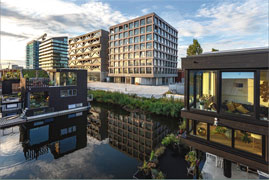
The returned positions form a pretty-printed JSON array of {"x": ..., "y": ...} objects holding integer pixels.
[
  {"x": 26, "y": 20},
  {"x": 145, "y": 11},
  {"x": 169, "y": 7}
]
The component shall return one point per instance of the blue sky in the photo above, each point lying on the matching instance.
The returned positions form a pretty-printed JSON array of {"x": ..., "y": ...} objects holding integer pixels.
[{"x": 223, "y": 25}]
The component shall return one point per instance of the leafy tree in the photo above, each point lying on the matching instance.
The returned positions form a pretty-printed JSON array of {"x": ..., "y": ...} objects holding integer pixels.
[
  {"x": 213, "y": 50},
  {"x": 195, "y": 48}
]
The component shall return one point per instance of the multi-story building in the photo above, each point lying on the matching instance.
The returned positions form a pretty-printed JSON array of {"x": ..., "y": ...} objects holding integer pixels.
[
  {"x": 53, "y": 53},
  {"x": 143, "y": 51},
  {"x": 32, "y": 54},
  {"x": 227, "y": 105},
  {"x": 90, "y": 52}
]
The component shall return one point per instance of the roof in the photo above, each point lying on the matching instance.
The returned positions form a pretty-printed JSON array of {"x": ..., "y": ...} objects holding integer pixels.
[{"x": 233, "y": 52}]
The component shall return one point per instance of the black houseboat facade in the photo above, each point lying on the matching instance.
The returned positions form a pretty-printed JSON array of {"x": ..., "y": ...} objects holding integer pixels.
[{"x": 226, "y": 106}]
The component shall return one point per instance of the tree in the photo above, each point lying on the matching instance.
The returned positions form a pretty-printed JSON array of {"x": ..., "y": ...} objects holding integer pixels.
[
  {"x": 213, "y": 50},
  {"x": 195, "y": 48}
]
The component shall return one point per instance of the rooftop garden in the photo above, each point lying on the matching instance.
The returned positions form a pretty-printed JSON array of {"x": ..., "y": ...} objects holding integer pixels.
[
  {"x": 11, "y": 75},
  {"x": 32, "y": 73}
]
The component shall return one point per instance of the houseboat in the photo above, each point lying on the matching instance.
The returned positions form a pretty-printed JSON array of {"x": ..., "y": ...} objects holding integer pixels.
[{"x": 226, "y": 107}]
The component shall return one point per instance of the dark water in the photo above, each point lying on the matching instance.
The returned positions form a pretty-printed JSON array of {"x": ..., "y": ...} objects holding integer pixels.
[{"x": 108, "y": 143}]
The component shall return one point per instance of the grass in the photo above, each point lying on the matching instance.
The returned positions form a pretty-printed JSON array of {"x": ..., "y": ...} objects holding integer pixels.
[{"x": 162, "y": 106}]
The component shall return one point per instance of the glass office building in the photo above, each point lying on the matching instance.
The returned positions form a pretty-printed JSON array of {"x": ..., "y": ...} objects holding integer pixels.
[
  {"x": 32, "y": 55},
  {"x": 53, "y": 53}
]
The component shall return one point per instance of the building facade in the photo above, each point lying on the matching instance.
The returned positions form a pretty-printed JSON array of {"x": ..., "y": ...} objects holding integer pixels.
[
  {"x": 90, "y": 52},
  {"x": 143, "y": 51},
  {"x": 53, "y": 53},
  {"x": 32, "y": 54},
  {"x": 227, "y": 105}
]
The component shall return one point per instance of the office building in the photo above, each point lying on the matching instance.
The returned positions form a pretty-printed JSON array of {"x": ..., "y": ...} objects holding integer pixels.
[
  {"x": 227, "y": 105},
  {"x": 32, "y": 54},
  {"x": 90, "y": 52},
  {"x": 53, "y": 53},
  {"x": 143, "y": 51}
]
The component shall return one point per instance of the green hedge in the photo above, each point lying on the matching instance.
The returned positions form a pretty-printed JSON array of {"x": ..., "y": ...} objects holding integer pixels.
[
  {"x": 31, "y": 73},
  {"x": 162, "y": 106}
]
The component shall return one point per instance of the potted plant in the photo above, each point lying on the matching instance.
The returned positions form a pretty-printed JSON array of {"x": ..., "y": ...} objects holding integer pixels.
[{"x": 245, "y": 138}]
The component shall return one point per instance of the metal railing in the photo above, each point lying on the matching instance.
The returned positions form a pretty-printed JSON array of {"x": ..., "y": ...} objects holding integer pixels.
[{"x": 37, "y": 82}]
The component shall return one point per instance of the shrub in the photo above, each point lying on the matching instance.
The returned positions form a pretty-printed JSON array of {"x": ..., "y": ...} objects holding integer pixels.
[
  {"x": 169, "y": 139},
  {"x": 160, "y": 175},
  {"x": 162, "y": 106},
  {"x": 159, "y": 151}
]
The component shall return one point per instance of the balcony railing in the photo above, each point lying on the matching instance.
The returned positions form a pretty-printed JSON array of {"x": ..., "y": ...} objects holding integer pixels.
[{"x": 37, "y": 82}]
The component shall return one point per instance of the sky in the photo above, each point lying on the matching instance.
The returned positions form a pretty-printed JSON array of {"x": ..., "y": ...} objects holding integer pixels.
[{"x": 223, "y": 25}]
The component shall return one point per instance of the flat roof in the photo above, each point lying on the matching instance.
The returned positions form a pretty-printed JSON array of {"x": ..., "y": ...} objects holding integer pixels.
[
  {"x": 87, "y": 34},
  {"x": 232, "y": 52}
]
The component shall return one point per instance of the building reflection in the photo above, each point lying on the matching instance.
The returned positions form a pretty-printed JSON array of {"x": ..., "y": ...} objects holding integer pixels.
[
  {"x": 135, "y": 134},
  {"x": 97, "y": 123},
  {"x": 59, "y": 136}
]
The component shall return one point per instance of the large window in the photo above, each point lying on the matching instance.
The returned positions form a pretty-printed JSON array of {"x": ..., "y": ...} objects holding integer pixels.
[
  {"x": 39, "y": 99},
  {"x": 201, "y": 130},
  {"x": 237, "y": 92},
  {"x": 67, "y": 78},
  {"x": 264, "y": 94},
  {"x": 221, "y": 135},
  {"x": 202, "y": 90},
  {"x": 249, "y": 142}
]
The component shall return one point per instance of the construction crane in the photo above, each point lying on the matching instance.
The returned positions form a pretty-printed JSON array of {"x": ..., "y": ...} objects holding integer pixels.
[{"x": 43, "y": 37}]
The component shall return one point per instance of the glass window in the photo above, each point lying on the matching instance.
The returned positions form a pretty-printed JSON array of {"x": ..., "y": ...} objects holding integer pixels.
[
  {"x": 149, "y": 20},
  {"x": 201, "y": 129},
  {"x": 142, "y": 38},
  {"x": 136, "y": 31},
  {"x": 39, "y": 99},
  {"x": 131, "y": 48},
  {"x": 237, "y": 92},
  {"x": 142, "y": 46},
  {"x": 142, "y": 22},
  {"x": 116, "y": 30},
  {"x": 249, "y": 142},
  {"x": 264, "y": 94},
  {"x": 125, "y": 26},
  {"x": 148, "y": 70},
  {"x": 131, "y": 33},
  {"x": 149, "y": 28},
  {"x": 221, "y": 135},
  {"x": 136, "y": 39},
  {"x": 136, "y": 24},
  {"x": 131, "y": 25},
  {"x": 126, "y": 34},
  {"x": 130, "y": 40},
  {"x": 142, "y": 30},
  {"x": 136, "y": 47},
  {"x": 149, "y": 37},
  {"x": 149, "y": 45},
  {"x": 149, "y": 53},
  {"x": 149, "y": 61},
  {"x": 202, "y": 90},
  {"x": 190, "y": 127},
  {"x": 121, "y": 35},
  {"x": 142, "y": 54}
]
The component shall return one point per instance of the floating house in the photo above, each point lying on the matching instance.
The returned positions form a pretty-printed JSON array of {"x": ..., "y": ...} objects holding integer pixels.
[{"x": 227, "y": 105}]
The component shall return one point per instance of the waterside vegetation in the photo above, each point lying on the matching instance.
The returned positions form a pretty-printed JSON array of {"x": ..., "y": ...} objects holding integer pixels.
[{"x": 162, "y": 106}]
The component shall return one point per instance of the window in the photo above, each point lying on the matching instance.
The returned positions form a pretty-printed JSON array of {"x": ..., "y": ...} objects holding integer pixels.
[
  {"x": 116, "y": 30},
  {"x": 249, "y": 142},
  {"x": 202, "y": 90},
  {"x": 142, "y": 38},
  {"x": 131, "y": 33},
  {"x": 143, "y": 62},
  {"x": 136, "y": 24},
  {"x": 149, "y": 45},
  {"x": 149, "y": 61},
  {"x": 131, "y": 25},
  {"x": 121, "y": 35},
  {"x": 149, "y": 20},
  {"x": 142, "y": 46},
  {"x": 142, "y": 22},
  {"x": 126, "y": 34},
  {"x": 149, "y": 37},
  {"x": 125, "y": 26},
  {"x": 149, "y": 53},
  {"x": 148, "y": 70},
  {"x": 130, "y": 40},
  {"x": 39, "y": 99},
  {"x": 136, "y": 47},
  {"x": 201, "y": 130},
  {"x": 237, "y": 92},
  {"x": 130, "y": 48},
  {"x": 142, "y": 54},
  {"x": 136, "y": 31},
  {"x": 142, "y": 70},
  {"x": 68, "y": 93},
  {"x": 136, "y": 39},
  {"x": 142, "y": 30},
  {"x": 149, "y": 28},
  {"x": 68, "y": 78},
  {"x": 264, "y": 94},
  {"x": 221, "y": 135}
]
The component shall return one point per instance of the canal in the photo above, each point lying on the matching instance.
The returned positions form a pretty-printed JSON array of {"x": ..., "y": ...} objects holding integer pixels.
[{"x": 107, "y": 143}]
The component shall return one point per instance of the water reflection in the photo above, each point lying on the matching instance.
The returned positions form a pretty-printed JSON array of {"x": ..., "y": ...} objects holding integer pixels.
[{"x": 59, "y": 136}]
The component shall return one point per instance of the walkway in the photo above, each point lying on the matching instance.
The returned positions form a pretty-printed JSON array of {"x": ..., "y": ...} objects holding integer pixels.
[{"x": 140, "y": 90}]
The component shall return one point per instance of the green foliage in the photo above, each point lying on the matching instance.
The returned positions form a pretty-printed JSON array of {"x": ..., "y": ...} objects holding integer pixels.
[
  {"x": 11, "y": 75},
  {"x": 245, "y": 138},
  {"x": 32, "y": 73},
  {"x": 213, "y": 50},
  {"x": 160, "y": 175},
  {"x": 191, "y": 158},
  {"x": 183, "y": 125},
  {"x": 162, "y": 106},
  {"x": 169, "y": 139},
  {"x": 220, "y": 130},
  {"x": 168, "y": 92},
  {"x": 195, "y": 48},
  {"x": 159, "y": 151},
  {"x": 152, "y": 155}
]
